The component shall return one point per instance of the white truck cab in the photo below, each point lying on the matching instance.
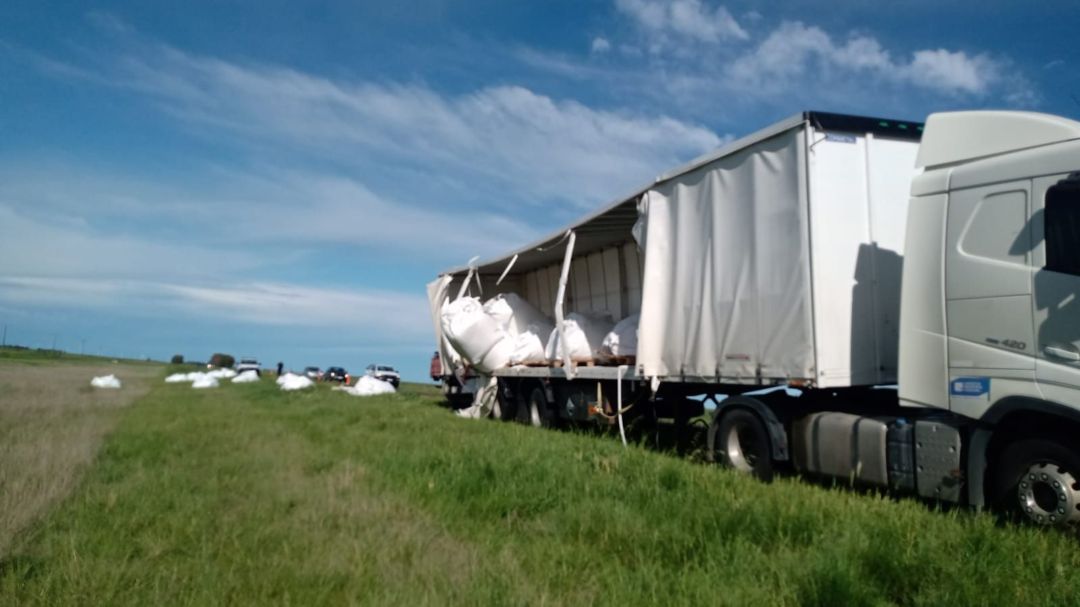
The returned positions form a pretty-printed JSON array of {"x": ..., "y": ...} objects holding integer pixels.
[{"x": 990, "y": 310}]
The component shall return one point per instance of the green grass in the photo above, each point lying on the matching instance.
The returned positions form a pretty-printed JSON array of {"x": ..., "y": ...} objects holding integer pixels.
[
  {"x": 37, "y": 356},
  {"x": 253, "y": 496}
]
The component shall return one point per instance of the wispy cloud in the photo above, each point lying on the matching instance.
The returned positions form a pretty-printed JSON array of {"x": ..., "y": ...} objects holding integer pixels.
[
  {"x": 668, "y": 22},
  {"x": 699, "y": 58},
  {"x": 58, "y": 219},
  {"x": 375, "y": 312},
  {"x": 398, "y": 171},
  {"x": 71, "y": 246},
  {"x": 500, "y": 143},
  {"x": 794, "y": 50}
]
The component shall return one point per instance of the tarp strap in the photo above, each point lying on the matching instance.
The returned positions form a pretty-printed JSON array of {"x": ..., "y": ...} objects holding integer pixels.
[
  {"x": 468, "y": 277},
  {"x": 479, "y": 287},
  {"x": 620, "y": 370},
  {"x": 559, "y": 316},
  {"x": 465, "y": 284},
  {"x": 513, "y": 260}
]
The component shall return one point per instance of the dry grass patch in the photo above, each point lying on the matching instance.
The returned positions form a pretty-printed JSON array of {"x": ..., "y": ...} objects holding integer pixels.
[{"x": 52, "y": 423}]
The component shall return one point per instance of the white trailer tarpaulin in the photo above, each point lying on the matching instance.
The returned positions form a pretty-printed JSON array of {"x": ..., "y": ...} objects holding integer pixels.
[
  {"x": 775, "y": 259},
  {"x": 726, "y": 290}
]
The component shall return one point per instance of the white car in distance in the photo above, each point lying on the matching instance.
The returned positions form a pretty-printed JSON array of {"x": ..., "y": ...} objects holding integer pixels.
[
  {"x": 248, "y": 364},
  {"x": 384, "y": 373}
]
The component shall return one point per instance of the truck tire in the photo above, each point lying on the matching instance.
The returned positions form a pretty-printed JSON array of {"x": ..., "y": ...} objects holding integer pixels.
[
  {"x": 536, "y": 411},
  {"x": 742, "y": 442},
  {"x": 506, "y": 403},
  {"x": 1038, "y": 481}
]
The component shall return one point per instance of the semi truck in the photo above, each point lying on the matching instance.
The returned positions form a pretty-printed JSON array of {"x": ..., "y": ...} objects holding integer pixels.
[{"x": 887, "y": 303}]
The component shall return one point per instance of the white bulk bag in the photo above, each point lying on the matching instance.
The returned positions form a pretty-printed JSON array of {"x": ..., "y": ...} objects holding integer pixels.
[
  {"x": 515, "y": 314},
  {"x": 529, "y": 347},
  {"x": 477, "y": 337},
  {"x": 622, "y": 340},
  {"x": 584, "y": 334},
  {"x": 203, "y": 381},
  {"x": 106, "y": 381}
]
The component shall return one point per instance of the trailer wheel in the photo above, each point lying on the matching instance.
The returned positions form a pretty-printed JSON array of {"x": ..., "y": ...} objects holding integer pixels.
[
  {"x": 1036, "y": 481},
  {"x": 537, "y": 411},
  {"x": 742, "y": 442},
  {"x": 506, "y": 405}
]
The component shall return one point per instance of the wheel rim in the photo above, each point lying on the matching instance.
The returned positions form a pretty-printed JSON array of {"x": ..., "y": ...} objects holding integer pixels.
[
  {"x": 1049, "y": 494},
  {"x": 739, "y": 446}
]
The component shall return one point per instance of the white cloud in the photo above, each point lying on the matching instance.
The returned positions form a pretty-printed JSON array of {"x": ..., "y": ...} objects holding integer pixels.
[
  {"x": 951, "y": 71},
  {"x": 795, "y": 49},
  {"x": 794, "y": 65},
  {"x": 76, "y": 235},
  {"x": 376, "y": 312},
  {"x": 600, "y": 45},
  {"x": 666, "y": 20},
  {"x": 232, "y": 221},
  {"x": 72, "y": 246},
  {"x": 498, "y": 143}
]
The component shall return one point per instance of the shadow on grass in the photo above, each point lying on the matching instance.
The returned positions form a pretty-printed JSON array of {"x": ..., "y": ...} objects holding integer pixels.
[{"x": 689, "y": 441}]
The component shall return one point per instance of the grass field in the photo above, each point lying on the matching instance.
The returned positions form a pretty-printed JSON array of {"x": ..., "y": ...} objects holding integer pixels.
[
  {"x": 36, "y": 356},
  {"x": 247, "y": 495},
  {"x": 52, "y": 424}
]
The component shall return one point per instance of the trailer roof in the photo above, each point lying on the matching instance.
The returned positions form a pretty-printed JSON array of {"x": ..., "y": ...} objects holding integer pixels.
[{"x": 610, "y": 224}]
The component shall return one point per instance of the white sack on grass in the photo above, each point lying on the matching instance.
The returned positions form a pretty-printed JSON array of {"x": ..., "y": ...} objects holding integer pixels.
[
  {"x": 584, "y": 334},
  {"x": 294, "y": 382},
  {"x": 204, "y": 381},
  {"x": 622, "y": 340},
  {"x": 197, "y": 379},
  {"x": 368, "y": 386},
  {"x": 516, "y": 315},
  {"x": 221, "y": 373},
  {"x": 106, "y": 381},
  {"x": 477, "y": 337},
  {"x": 246, "y": 377}
]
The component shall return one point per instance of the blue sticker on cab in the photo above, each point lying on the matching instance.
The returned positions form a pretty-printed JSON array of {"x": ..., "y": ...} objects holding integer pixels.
[{"x": 969, "y": 386}]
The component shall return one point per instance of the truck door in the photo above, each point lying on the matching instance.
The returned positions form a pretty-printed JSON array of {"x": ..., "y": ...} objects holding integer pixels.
[
  {"x": 988, "y": 285},
  {"x": 1057, "y": 288}
]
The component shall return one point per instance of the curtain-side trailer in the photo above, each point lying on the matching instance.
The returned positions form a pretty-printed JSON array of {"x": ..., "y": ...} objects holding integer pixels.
[{"x": 915, "y": 306}]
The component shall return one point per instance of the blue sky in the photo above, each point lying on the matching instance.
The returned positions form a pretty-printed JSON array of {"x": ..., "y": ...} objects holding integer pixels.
[{"x": 281, "y": 179}]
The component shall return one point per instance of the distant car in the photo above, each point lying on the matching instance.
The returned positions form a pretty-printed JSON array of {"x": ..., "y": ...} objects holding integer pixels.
[
  {"x": 249, "y": 364},
  {"x": 312, "y": 373},
  {"x": 337, "y": 374},
  {"x": 385, "y": 373}
]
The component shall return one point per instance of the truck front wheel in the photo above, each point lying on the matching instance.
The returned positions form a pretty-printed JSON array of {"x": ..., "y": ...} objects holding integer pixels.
[
  {"x": 1037, "y": 481},
  {"x": 742, "y": 442}
]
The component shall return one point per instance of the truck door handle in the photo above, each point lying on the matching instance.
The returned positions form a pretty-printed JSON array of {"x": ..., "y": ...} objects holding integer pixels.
[{"x": 1062, "y": 353}]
